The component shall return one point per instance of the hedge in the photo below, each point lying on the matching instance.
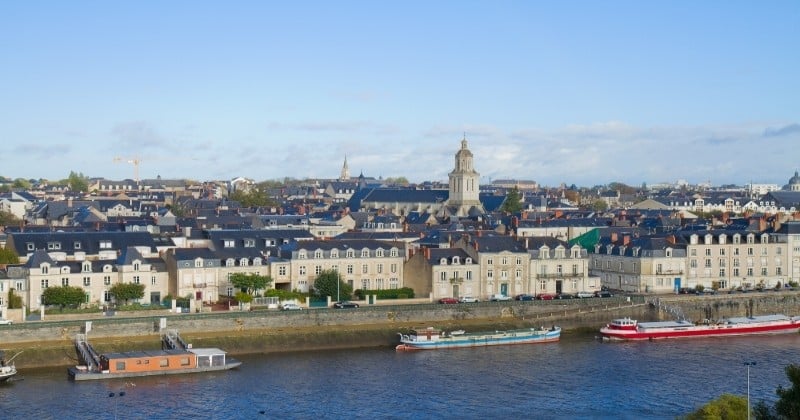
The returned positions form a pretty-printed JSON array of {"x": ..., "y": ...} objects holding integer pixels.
[{"x": 404, "y": 293}]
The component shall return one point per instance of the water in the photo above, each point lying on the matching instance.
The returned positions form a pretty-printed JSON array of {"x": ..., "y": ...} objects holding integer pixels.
[{"x": 575, "y": 378}]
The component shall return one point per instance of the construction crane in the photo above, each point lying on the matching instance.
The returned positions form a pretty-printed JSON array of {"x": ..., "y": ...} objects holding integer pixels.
[{"x": 133, "y": 161}]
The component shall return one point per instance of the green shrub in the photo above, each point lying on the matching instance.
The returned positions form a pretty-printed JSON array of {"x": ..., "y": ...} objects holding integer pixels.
[{"x": 404, "y": 293}]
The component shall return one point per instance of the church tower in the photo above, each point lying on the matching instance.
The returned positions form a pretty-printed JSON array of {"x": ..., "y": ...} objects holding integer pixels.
[
  {"x": 464, "y": 184},
  {"x": 345, "y": 175}
]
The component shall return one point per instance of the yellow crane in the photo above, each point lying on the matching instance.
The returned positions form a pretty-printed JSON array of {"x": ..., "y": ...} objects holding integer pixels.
[{"x": 133, "y": 161}]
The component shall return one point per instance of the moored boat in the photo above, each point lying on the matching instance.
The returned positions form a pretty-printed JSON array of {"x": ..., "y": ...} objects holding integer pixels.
[
  {"x": 7, "y": 369},
  {"x": 176, "y": 357},
  {"x": 432, "y": 338},
  {"x": 630, "y": 329}
]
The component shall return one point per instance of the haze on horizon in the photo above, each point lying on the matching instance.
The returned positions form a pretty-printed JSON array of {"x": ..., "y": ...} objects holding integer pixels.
[{"x": 577, "y": 92}]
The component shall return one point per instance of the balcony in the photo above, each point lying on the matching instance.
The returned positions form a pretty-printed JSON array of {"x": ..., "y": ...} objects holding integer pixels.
[
  {"x": 676, "y": 271},
  {"x": 559, "y": 275}
]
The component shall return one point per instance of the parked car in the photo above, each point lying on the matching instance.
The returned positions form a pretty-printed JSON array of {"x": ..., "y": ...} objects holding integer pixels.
[
  {"x": 468, "y": 299},
  {"x": 291, "y": 306},
  {"x": 584, "y": 294},
  {"x": 499, "y": 298},
  {"x": 524, "y": 297},
  {"x": 448, "y": 300},
  {"x": 344, "y": 304},
  {"x": 603, "y": 294},
  {"x": 6, "y": 321},
  {"x": 545, "y": 296},
  {"x": 565, "y": 296}
]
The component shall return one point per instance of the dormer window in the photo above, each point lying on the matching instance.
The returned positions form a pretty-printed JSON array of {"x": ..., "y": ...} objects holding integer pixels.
[
  {"x": 379, "y": 253},
  {"x": 334, "y": 253},
  {"x": 764, "y": 239},
  {"x": 86, "y": 267},
  {"x": 244, "y": 262},
  {"x": 65, "y": 270},
  {"x": 351, "y": 253},
  {"x": 468, "y": 260},
  {"x": 45, "y": 268},
  {"x": 668, "y": 252},
  {"x": 249, "y": 243},
  {"x": 708, "y": 239},
  {"x": 136, "y": 266},
  {"x": 723, "y": 239},
  {"x": 228, "y": 243},
  {"x": 105, "y": 245},
  {"x": 693, "y": 239},
  {"x": 53, "y": 246},
  {"x": 364, "y": 253},
  {"x": 318, "y": 254},
  {"x": 443, "y": 261},
  {"x": 198, "y": 263},
  {"x": 456, "y": 260},
  {"x": 229, "y": 262},
  {"x": 256, "y": 261},
  {"x": 30, "y": 246},
  {"x": 737, "y": 239},
  {"x": 76, "y": 245},
  {"x": 301, "y": 255},
  {"x": 751, "y": 238}
]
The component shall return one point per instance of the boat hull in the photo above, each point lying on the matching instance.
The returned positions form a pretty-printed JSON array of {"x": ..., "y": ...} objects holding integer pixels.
[
  {"x": 786, "y": 326},
  {"x": 78, "y": 374},
  {"x": 481, "y": 340}
]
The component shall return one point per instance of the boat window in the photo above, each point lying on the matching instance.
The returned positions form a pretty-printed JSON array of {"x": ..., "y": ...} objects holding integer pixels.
[
  {"x": 163, "y": 363},
  {"x": 120, "y": 365},
  {"x": 184, "y": 361}
]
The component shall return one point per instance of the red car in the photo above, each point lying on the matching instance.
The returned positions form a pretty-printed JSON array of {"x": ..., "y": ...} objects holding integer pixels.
[
  {"x": 448, "y": 300},
  {"x": 545, "y": 296}
]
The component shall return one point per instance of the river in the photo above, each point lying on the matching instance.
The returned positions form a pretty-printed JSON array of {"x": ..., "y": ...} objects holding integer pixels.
[{"x": 577, "y": 377}]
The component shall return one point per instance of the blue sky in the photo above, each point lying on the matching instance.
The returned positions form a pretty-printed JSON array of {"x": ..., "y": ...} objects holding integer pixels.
[{"x": 578, "y": 92}]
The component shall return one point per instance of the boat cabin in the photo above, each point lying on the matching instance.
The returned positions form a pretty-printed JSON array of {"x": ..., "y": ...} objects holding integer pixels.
[
  {"x": 147, "y": 361},
  {"x": 623, "y": 324}
]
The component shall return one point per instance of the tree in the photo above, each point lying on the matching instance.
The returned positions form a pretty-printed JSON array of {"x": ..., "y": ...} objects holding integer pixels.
[
  {"x": 64, "y": 296},
  {"x": 599, "y": 205},
  {"x": 78, "y": 182},
  {"x": 7, "y": 218},
  {"x": 8, "y": 256},
  {"x": 326, "y": 285},
  {"x": 250, "y": 282},
  {"x": 726, "y": 407},
  {"x": 788, "y": 404},
  {"x": 127, "y": 291},
  {"x": 14, "y": 300},
  {"x": 513, "y": 201},
  {"x": 22, "y": 184}
]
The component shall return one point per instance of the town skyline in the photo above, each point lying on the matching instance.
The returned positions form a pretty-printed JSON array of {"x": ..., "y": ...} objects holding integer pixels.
[{"x": 586, "y": 95}]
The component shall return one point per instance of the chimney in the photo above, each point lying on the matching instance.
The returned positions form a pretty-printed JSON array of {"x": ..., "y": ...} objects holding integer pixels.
[
  {"x": 475, "y": 245},
  {"x": 427, "y": 253},
  {"x": 671, "y": 239},
  {"x": 526, "y": 242},
  {"x": 614, "y": 237},
  {"x": 626, "y": 239}
]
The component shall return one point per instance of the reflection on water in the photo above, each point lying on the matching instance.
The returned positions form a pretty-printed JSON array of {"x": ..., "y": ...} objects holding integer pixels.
[{"x": 575, "y": 378}]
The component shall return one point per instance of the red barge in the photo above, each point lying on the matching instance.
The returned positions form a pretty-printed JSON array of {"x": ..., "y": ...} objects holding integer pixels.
[{"x": 626, "y": 329}]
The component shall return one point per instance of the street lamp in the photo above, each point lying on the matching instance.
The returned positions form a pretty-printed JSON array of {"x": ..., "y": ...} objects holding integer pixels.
[{"x": 748, "y": 364}]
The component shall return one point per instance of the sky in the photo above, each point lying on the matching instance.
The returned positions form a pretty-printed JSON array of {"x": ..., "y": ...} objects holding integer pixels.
[{"x": 575, "y": 92}]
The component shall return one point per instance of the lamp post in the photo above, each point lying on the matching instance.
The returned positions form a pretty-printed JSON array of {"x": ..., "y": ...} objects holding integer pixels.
[{"x": 748, "y": 364}]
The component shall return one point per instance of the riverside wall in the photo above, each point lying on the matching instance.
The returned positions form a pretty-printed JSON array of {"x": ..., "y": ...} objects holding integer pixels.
[{"x": 50, "y": 343}]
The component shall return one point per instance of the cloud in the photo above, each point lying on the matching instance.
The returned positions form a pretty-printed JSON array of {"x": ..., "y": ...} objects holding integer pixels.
[
  {"x": 136, "y": 135},
  {"x": 783, "y": 131},
  {"x": 42, "y": 151}
]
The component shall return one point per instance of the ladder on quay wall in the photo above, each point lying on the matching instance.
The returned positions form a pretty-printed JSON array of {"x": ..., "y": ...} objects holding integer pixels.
[
  {"x": 674, "y": 310},
  {"x": 172, "y": 341},
  {"x": 88, "y": 355}
]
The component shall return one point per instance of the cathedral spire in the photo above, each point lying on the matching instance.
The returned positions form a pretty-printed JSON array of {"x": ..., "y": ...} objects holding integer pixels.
[{"x": 345, "y": 175}]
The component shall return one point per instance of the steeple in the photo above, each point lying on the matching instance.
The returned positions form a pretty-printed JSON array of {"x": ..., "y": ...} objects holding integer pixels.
[
  {"x": 345, "y": 175},
  {"x": 464, "y": 187}
]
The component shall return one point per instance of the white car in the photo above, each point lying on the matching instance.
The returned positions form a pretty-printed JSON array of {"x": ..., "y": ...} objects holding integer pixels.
[
  {"x": 468, "y": 299},
  {"x": 6, "y": 321},
  {"x": 499, "y": 298},
  {"x": 291, "y": 306},
  {"x": 584, "y": 294}
]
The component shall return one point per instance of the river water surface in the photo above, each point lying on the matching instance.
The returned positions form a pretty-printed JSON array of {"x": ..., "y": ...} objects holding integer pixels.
[{"x": 577, "y": 377}]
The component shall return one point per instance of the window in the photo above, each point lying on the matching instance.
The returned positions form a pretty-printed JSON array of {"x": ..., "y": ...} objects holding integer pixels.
[
  {"x": 249, "y": 243},
  {"x": 708, "y": 252},
  {"x": 393, "y": 268},
  {"x": 45, "y": 283},
  {"x": 518, "y": 274},
  {"x": 735, "y": 272},
  {"x": 349, "y": 268},
  {"x": 364, "y": 268},
  {"x": 318, "y": 254},
  {"x": 120, "y": 365},
  {"x": 722, "y": 262},
  {"x": 694, "y": 253},
  {"x": 380, "y": 268},
  {"x": 763, "y": 271},
  {"x": 198, "y": 263},
  {"x": 106, "y": 280},
  {"x": 778, "y": 271},
  {"x": 504, "y": 274},
  {"x": 45, "y": 269},
  {"x": 302, "y": 270},
  {"x": 351, "y": 253},
  {"x": 334, "y": 253},
  {"x": 282, "y": 270},
  {"x": 379, "y": 253},
  {"x": 469, "y": 274},
  {"x": 30, "y": 246},
  {"x": 490, "y": 261},
  {"x": 504, "y": 261},
  {"x": 153, "y": 280},
  {"x": 559, "y": 270},
  {"x": 574, "y": 269},
  {"x": 184, "y": 361},
  {"x": 365, "y": 284},
  {"x": 519, "y": 260},
  {"x": 443, "y": 276},
  {"x": 53, "y": 245},
  {"x": 87, "y": 281},
  {"x": 722, "y": 272},
  {"x": 228, "y": 243},
  {"x": 489, "y": 274},
  {"x": 136, "y": 280},
  {"x": 722, "y": 251},
  {"x": 105, "y": 245},
  {"x": 65, "y": 281},
  {"x": 693, "y": 263},
  {"x": 317, "y": 269},
  {"x": 364, "y": 253},
  {"x": 393, "y": 252},
  {"x": 106, "y": 296},
  {"x": 301, "y": 255},
  {"x": 707, "y": 262},
  {"x": 468, "y": 260},
  {"x": 750, "y": 271}
]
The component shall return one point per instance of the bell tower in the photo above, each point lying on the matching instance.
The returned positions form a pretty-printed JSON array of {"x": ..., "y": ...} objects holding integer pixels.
[{"x": 464, "y": 183}]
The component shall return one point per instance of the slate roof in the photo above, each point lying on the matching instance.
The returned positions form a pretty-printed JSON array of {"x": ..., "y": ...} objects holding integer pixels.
[
  {"x": 402, "y": 195},
  {"x": 87, "y": 242},
  {"x": 436, "y": 255}
]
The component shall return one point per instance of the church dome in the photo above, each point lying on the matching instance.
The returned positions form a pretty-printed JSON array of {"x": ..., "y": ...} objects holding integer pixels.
[{"x": 794, "y": 183}]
